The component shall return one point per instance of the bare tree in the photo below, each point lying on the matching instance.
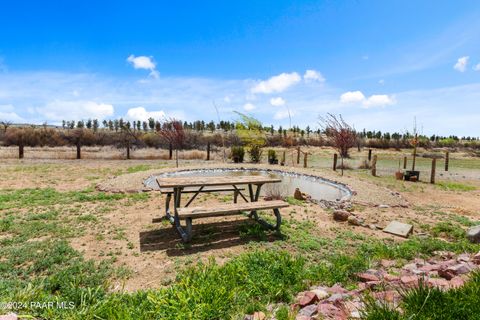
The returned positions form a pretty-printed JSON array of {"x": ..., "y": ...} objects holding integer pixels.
[
  {"x": 342, "y": 135},
  {"x": 5, "y": 125},
  {"x": 171, "y": 130}
]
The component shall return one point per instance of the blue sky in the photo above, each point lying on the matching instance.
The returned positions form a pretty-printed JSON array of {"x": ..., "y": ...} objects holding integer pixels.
[{"x": 378, "y": 63}]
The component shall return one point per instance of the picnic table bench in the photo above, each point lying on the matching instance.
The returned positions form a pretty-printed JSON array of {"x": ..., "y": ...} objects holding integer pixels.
[{"x": 176, "y": 186}]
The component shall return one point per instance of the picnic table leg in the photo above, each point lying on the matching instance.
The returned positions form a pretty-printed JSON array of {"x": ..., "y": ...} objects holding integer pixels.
[
  {"x": 186, "y": 235},
  {"x": 253, "y": 198},
  {"x": 268, "y": 225},
  {"x": 167, "y": 208}
]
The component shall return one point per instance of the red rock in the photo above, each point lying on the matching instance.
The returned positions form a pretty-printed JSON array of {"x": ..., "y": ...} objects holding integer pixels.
[
  {"x": 461, "y": 268},
  {"x": 259, "y": 315},
  {"x": 308, "y": 311},
  {"x": 308, "y": 298},
  {"x": 391, "y": 278},
  {"x": 476, "y": 258},
  {"x": 341, "y": 215},
  {"x": 410, "y": 281},
  {"x": 464, "y": 257},
  {"x": 372, "y": 284},
  {"x": 329, "y": 311},
  {"x": 366, "y": 277},
  {"x": 336, "y": 289},
  {"x": 438, "y": 283},
  {"x": 456, "y": 282},
  {"x": 430, "y": 267},
  {"x": 388, "y": 296},
  {"x": 446, "y": 274},
  {"x": 387, "y": 263},
  {"x": 302, "y": 317}
]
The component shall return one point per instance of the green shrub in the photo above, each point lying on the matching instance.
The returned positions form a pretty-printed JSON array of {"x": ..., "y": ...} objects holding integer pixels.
[
  {"x": 255, "y": 152},
  {"x": 272, "y": 157},
  {"x": 238, "y": 153}
]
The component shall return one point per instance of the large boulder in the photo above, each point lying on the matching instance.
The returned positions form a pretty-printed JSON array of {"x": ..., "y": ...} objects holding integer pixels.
[
  {"x": 473, "y": 234},
  {"x": 341, "y": 215}
]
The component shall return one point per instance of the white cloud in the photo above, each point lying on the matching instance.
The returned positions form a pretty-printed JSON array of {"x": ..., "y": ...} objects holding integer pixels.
[
  {"x": 144, "y": 62},
  {"x": 312, "y": 76},
  {"x": 58, "y": 110},
  {"x": 140, "y": 113},
  {"x": 248, "y": 107},
  {"x": 283, "y": 114},
  {"x": 365, "y": 57},
  {"x": 381, "y": 82},
  {"x": 376, "y": 100},
  {"x": 7, "y": 114},
  {"x": 352, "y": 97},
  {"x": 277, "y": 102},
  {"x": 461, "y": 64},
  {"x": 477, "y": 67},
  {"x": 277, "y": 83}
]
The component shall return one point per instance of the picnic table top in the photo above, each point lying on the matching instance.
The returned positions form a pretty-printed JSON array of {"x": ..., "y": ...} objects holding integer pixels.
[{"x": 175, "y": 182}]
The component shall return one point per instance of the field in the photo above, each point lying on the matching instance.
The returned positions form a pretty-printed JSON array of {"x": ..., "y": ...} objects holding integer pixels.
[{"x": 98, "y": 252}]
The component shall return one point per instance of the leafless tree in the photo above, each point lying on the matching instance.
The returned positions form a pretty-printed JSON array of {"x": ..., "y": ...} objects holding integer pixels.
[
  {"x": 342, "y": 135},
  {"x": 171, "y": 130},
  {"x": 5, "y": 125}
]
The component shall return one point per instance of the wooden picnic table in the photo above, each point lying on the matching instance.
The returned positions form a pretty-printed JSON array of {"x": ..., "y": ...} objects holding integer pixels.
[{"x": 177, "y": 185}]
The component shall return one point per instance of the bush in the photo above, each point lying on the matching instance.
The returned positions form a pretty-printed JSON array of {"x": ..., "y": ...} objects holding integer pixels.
[
  {"x": 272, "y": 157},
  {"x": 238, "y": 153},
  {"x": 255, "y": 153}
]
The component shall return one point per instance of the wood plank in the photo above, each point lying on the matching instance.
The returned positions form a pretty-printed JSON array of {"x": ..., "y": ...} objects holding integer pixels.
[
  {"x": 211, "y": 189},
  {"x": 172, "y": 182},
  {"x": 229, "y": 209}
]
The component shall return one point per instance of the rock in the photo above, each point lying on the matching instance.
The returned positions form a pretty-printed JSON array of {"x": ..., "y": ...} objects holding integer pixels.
[
  {"x": 387, "y": 263},
  {"x": 391, "y": 278},
  {"x": 438, "y": 283},
  {"x": 473, "y": 234},
  {"x": 476, "y": 258},
  {"x": 430, "y": 267},
  {"x": 399, "y": 229},
  {"x": 372, "y": 226},
  {"x": 259, "y": 315},
  {"x": 308, "y": 298},
  {"x": 321, "y": 293},
  {"x": 355, "y": 221},
  {"x": 329, "y": 311},
  {"x": 409, "y": 281},
  {"x": 459, "y": 269},
  {"x": 298, "y": 195},
  {"x": 337, "y": 289},
  {"x": 341, "y": 215},
  {"x": 444, "y": 254},
  {"x": 384, "y": 206},
  {"x": 302, "y": 317},
  {"x": 464, "y": 257},
  {"x": 338, "y": 297},
  {"x": 308, "y": 310},
  {"x": 366, "y": 277},
  {"x": 456, "y": 282},
  {"x": 446, "y": 274},
  {"x": 10, "y": 316},
  {"x": 386, "y": 296}
]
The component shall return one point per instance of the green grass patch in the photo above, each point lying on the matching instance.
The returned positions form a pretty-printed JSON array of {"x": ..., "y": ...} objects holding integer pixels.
[
  {"x": 455, "y": 186},
  {"x": 139, "y": 168}
]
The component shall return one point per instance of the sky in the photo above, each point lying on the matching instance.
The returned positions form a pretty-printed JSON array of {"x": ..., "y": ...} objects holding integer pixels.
[{"x": 380, "y": 64}]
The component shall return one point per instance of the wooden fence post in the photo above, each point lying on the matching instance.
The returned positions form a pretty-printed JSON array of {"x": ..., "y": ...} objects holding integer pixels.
[
  {"x": 282, "y": 163},
  {"x": 208, "y": 151},
  {"x": 432, "y": 175},
  {"x": 369, "y": 154},
  {"x": 447, "y": 158},
  {"x": 404, "y": 162},
  {"x": 170, "y": 151},
  {"x": 298, "y": 155},
  {"x": 374, "y": 166},
  {"x": 305, "y": 155},
  {"x": 335, "y": 158},
  {"x": 128, "y": 149},
  {"x": 79, "y": 149},
  {"x": 21, "y": 151}
]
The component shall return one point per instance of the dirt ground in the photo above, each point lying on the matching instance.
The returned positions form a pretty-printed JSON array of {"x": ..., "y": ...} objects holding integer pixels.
[{"x": 152, "y": 249}]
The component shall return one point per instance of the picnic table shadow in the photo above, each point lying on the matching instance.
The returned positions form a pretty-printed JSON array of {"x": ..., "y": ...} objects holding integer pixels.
[{"x": 206, "y": 236}]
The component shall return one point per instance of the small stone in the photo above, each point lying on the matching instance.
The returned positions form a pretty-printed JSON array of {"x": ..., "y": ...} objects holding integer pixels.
[
  {"x": 430, "y": 267},
  {"x": 456, "y": 282},
  {"x": 308, "y": 298},
  {"x": 473, "y": 234},
  {"x": 308, "y": 310},
  {"x": 259, "y": 315},
  {"x": 476, "y": 258},
  {"x": 338, "y": 297},
  {"x": 399, "y": 229},
  {"x": 387, "y": 296},
  {"x": 446, "y": 274},
  {"x": 391, "y": 278},
  {"x": 464, "y": 257},
  {"x": 387, "y": 263},
  {"x": 337, "y": 289},
  {"x": 355, "y": 314},
  {"x": 341, "y": 215},
  {"x": 329, "y": 311},
  {"x": 302, "y": 317},
  {"x": 372, "y": 226},
  {"x": 438, "y": 282},
  {"x": 460, "y": 269},
  {"x": 321, "y": 293},
  {"x": 355, "y": 221},
  {"x": 366, "y": 277},
  {"x": 444, "y": 254},
  {"x": 384, "y": 206},
  {"x": 409, "y": 280},
  {"x": 298, "y": 194}
]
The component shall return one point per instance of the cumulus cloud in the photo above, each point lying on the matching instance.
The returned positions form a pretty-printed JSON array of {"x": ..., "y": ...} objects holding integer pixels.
[
  {"x": 248, "y": 107},
  {"x": 352, "y": 97},
  {"x": 375, "y": 100},
  {"x": 313, "y": 76},
  {"x": 144, "y": 62},
  {"x": 461, "y": 64},
  {"x": 63, "y": 110},
  {"x": 277, "y": 102},
  {"x": 7, "y": 114},
  {"x": 282, "y": 114},
  {"x": 477, "y": 67},
  {"x": 140, "y": 113},
  {"x": 277, "y": 83}
]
